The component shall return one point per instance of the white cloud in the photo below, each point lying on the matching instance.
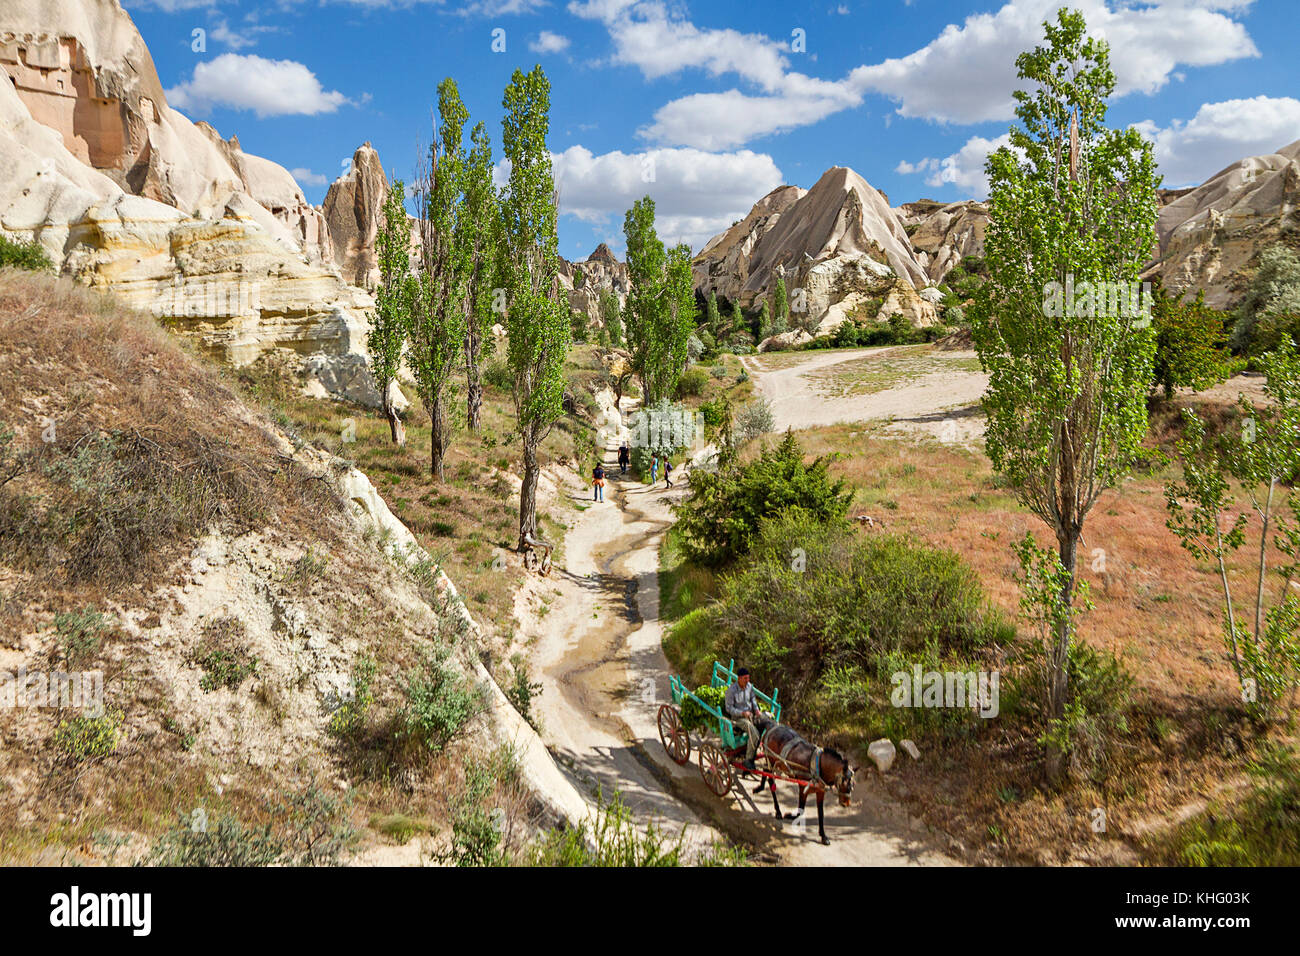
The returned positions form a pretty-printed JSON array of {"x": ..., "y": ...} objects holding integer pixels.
[
  {"x": 696, "y": 194},
  {"x": 963, "y": 169},
  {"x": 967, "y": 73},
  {"x": 548, "y": 42},
  {"x": 245, "y": 82},
  {"x": 1190, "y": 152},
  {"x": 306, "y": 177}
]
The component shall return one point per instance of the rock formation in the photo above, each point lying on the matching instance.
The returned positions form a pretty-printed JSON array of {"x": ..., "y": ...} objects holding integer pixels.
[
  {"x": 586, "y": 281},
  {"x": 131, "y": 197},
  {"x": 838, "y": 247},
  {"x": 1209, "y": 236},
  {"x": 941, "y": 235},
  {"x": 354, "y": 209}
]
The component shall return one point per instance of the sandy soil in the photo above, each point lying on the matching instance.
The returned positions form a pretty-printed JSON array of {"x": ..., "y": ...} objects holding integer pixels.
[
  {"x": 598, "y": 654},
  {"x": 940, "y": 402}
]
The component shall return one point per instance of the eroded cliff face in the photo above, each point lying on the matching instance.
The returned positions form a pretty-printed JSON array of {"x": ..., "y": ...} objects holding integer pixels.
[
  {"x": 586, "y": 282},
  {"x": 1210, "y": 237},
  {"x": 353, "y": 210},
  {"x": 129, "y": 196},
  {"x": 836, "y": 246},
  {"x": 943, "y": 234}
]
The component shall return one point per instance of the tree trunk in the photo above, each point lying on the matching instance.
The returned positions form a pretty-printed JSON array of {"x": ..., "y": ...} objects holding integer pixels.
[
  {"x": 473, "y": 378},
  {"x": 1059, "y": 672},
  {"x": 528, "y": 493},
  {"x": 437, "y": 439},
  {"x": 394, "y": 420}
]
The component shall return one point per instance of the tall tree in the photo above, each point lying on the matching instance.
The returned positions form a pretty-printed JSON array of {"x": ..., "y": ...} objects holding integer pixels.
[
  {"x": 537, "y": 313},
  {"x": 712, "y": 319},
  {"x": 780, "y": 308},
  {"x": 1071, "y": 202},
  {"x": 660, "y": 314},
  {"x": 479, "y": 228},
  {"x": 394, "y": 301},
  {"x": 437, "y": 333}
]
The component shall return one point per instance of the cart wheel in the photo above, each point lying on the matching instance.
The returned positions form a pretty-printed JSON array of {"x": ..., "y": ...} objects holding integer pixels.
[
  {"x": 673, "y": 734},
  {"x": 715, "y": 768}
]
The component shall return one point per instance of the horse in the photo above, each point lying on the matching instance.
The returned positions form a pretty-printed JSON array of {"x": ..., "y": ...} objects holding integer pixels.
[{"x": 813, "y": 767}]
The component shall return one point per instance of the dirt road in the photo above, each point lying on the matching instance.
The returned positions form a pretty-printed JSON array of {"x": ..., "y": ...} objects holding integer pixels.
[
  {"x": 598, "y": 655},
  {"x": 917, "y": 389}
]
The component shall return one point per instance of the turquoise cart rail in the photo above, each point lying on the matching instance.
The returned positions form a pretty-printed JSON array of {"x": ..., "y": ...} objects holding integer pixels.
[{"x": 714, "y": 759}]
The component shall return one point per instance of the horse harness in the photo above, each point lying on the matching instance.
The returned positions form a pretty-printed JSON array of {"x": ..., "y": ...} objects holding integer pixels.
[{"x": 814, "y": 763}]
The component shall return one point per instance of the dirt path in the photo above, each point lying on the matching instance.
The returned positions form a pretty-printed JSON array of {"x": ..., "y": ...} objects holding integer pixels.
[
  {"x": 598, "y": 655},
  {"x": 928, "y": 396}
]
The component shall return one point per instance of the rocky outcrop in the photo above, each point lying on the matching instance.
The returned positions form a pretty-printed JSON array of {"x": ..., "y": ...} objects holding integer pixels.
[
  {"x": 838, "y": 247},
  {"x": 586, "y": 282},
  {"x": 1209, "y": 237},
  {"x": 130, "y": 197},
  {"x": 941, "y": 235},
  {"x": 354, "y": 210}
]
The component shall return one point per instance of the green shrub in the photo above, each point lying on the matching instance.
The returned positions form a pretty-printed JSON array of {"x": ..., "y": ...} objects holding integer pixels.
[
  {"x": 498, "y": 375},
  {"x": 722, "y": 517},
  {"x": 25, "y": 255},
  {"x": 1190, "y": 340},
  {"x": 350, "y": 717},
  {"x": 753, "y": 420},
  {"x": 1273, "y": 290},
  {"x": 440, "y": 702},
  {"x": 86, "y": 738},
  {"x": 222, "y": 655},
  {"x": 523, "y": 690},
  {"x": 476, "y": 830},
  {"x": 614, "y": 839},
  {"x": 692, "y": 382},
  {"x": 1262, "y": 830},
  {"x": 223, "y": 842}
]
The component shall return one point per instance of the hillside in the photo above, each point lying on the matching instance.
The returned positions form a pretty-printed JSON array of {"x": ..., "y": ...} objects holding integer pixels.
[{"x": 239, "y": 590}]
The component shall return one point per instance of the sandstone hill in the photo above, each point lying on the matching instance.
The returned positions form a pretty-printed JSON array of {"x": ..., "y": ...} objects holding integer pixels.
[
  {"x": 353, "y": 210},
  {"x": 839, "y": 242},
  {"x": 128, "y": 195},
  {"x": 943, "y": 234},
  {"x": 1209, "y": 237},
  {"x": 586, "y": 281}
]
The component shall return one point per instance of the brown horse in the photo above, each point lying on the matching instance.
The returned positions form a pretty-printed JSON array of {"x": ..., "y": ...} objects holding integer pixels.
[{"x": 815, "y": 768}]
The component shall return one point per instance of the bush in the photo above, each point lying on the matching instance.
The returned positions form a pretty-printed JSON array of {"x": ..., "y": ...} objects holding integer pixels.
[
  {"x": 24, "y": 255},
  {"x": 222, "y": 655},
  {"x": 615, "y": 840},
  {"x": 523, "y": 690},
  {"x": 829, "y": 616},
  {"x": 350, "y": 717},
  {"x": 440, "y": 702},
  {"x": 498, "y": 375},
  {"x": 753, "y": 420},
  {"x": 692, "y": 382},
  {"x": 86, "y": 738},
  {"x": 721, "y": 519},
  {"x": 1273, "y": 290},
  {"x": 1190, "y": 339},
  {"x": 1263, "y": 830}
]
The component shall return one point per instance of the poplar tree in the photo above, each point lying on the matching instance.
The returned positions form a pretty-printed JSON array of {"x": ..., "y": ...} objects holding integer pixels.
[
  {"x": 394, "y": 300},
  {"x": 1071, "y": 202},
  {"x": 537, "y": 312}
]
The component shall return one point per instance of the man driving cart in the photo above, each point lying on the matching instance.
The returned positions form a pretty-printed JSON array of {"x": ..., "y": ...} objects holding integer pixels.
[{"x": 742, "y": 707}]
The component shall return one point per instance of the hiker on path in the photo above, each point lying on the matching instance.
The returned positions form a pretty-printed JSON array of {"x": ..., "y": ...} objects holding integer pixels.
[
  {"x": 624, "y": 459},
  {"x": 654, "y": 468},
  {"x": 668, "y": 471},
  {"x": 598, "y": 482}
]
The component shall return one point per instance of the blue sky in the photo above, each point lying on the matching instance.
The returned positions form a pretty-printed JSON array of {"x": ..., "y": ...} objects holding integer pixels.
[{"x": 707, "y": 106}]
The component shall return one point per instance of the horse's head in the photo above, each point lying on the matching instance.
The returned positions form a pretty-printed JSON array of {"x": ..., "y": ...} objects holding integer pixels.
[{"x": 844, "y": 780}]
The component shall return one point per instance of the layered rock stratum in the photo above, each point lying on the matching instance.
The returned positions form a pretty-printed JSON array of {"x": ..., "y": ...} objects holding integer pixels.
[
  {"x": 1210, "y": 237},
  {"x": 128, "y": 195},
  {"x": 836, "y": 246}
]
